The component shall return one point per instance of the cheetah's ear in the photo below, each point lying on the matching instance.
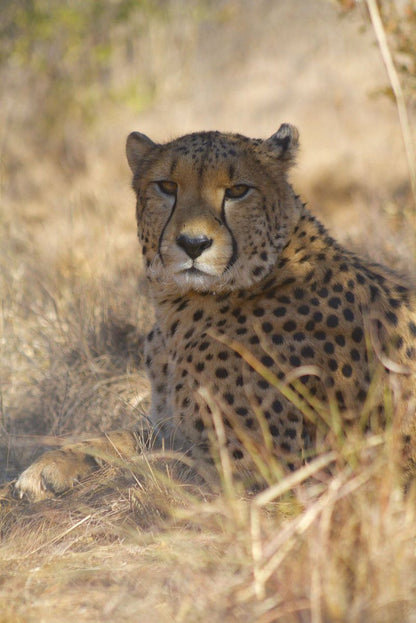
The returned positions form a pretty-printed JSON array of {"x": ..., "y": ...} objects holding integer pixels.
[
  {"x": 137, "y": 146},
  {"x": 284, "y": 142}
]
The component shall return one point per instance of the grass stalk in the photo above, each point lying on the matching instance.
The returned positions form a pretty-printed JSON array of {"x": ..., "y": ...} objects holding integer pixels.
[{"x": 380, "y": 33}]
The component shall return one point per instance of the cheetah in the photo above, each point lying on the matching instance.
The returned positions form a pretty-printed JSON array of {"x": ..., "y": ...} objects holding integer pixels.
[{"x": 260, "y": 314}]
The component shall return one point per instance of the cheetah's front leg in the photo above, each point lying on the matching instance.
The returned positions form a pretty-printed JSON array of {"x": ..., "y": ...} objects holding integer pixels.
[{"x": 58, "y": 470}]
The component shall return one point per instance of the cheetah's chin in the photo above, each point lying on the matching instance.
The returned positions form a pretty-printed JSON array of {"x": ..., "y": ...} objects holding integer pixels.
[{"x": 194, "y": 279}]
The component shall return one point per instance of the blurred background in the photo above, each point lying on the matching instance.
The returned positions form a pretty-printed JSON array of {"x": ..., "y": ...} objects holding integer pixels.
[{"x": 76, "y": 77}]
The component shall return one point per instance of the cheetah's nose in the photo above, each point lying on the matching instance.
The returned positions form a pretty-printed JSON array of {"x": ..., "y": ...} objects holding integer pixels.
[{"x": 193, "y": 246}]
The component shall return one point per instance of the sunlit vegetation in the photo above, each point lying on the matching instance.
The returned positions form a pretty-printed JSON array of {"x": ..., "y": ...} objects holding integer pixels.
[{"x": 146, "y": 541}]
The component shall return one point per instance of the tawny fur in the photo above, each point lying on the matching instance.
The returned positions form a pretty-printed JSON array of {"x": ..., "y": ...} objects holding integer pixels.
[{"x": 252, "y": 296}]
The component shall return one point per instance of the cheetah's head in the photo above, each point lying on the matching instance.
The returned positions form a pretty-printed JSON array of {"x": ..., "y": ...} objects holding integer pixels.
[{"x": 214, "y": 210}]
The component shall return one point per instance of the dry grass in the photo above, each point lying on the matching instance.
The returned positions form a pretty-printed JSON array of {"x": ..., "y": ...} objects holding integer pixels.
[
  {"x": 339, "y": 550},
  {"x": 146, "y": 541}
]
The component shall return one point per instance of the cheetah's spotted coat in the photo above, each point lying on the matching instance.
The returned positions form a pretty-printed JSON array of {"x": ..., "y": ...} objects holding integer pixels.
[{"x": 237, "y": 264}]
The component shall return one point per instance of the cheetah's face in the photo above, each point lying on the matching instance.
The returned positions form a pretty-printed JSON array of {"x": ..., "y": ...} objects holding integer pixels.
[{"x": 210, "y": 207}]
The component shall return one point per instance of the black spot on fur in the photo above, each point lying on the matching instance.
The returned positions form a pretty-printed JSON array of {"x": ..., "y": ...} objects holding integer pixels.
[
  {"x": 290, "y": 325},
  {"x": 357, "y": 335},
  {"x": 391, "y": 318},
  {"x": 221, "y": 373},
  {"x": 347, "y": 370}
]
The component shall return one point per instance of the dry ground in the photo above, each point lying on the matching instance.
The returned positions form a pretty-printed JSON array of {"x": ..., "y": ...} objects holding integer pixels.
[{"x": 141, "y": 543}]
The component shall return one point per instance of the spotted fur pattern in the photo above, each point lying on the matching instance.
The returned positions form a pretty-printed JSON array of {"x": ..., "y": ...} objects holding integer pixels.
[{"x": 252, "y": 297}]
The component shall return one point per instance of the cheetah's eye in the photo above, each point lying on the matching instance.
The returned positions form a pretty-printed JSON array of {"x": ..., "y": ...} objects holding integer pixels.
[
  {"x": 237, "y": 192},
  {"x": 167, "y": 187}
]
